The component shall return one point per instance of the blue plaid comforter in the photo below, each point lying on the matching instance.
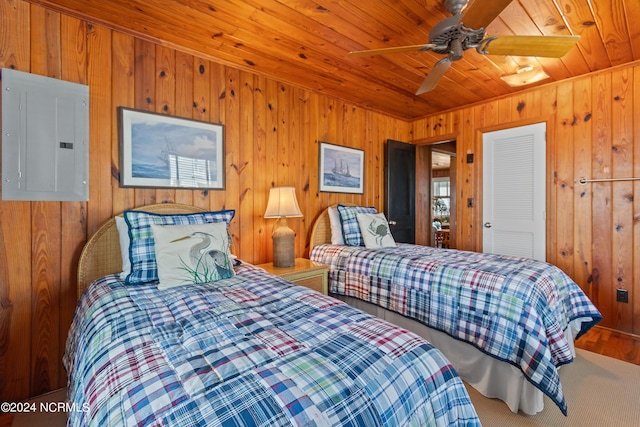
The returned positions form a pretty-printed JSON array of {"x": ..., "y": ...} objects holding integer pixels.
[
  {"x": 513, "y": 309},
  {"x": 253, "y": 350}
]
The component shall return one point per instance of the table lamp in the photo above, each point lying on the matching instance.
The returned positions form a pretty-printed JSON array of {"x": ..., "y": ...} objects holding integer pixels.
[{"x": 282, "y": 204}]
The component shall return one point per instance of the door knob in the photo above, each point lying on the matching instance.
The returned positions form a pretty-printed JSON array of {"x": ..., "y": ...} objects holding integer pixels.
[
  {"x": 392, "y": 222},
  {"x": 487, "y": 224}
]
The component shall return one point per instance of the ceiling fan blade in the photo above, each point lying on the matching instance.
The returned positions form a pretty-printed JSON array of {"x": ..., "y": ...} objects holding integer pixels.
[
  {"x": 543, "y": 46},
  {"x": 399, "y": 49},
  {"x": 434, "y": 76},
  {"x": 481, "y": 12}
]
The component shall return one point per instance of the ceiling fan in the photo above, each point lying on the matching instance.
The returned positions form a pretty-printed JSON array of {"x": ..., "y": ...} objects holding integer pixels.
[{"x": 462, "y": 31}]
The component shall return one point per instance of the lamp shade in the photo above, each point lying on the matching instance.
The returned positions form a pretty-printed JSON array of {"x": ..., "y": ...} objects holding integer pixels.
[{"x": 282, "y": 203}]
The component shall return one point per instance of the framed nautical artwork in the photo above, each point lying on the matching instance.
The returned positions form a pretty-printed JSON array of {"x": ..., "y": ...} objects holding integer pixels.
[
  {"x": 341, "y": 169},
  {"x": 158, "y": 150}
]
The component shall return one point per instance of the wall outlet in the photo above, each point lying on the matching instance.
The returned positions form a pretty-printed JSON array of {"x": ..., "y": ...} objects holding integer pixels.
[{"x": 622, "y": 295}]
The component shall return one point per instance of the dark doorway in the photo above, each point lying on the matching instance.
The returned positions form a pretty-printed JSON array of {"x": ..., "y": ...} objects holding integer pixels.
[{"x": 400, "y": 185}]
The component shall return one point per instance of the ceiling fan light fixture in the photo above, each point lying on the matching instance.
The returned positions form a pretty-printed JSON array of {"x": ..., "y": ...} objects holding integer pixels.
[
  {"x": 524, "y": 68},
  {"x": 525, "y": 75}
]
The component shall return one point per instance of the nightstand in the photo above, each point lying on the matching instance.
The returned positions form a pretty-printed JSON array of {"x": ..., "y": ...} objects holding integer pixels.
[{"x": 304, "y": 272}]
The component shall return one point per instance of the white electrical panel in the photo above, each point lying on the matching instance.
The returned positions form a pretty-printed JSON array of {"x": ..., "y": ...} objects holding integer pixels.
[{"x": 45, "y": 138}]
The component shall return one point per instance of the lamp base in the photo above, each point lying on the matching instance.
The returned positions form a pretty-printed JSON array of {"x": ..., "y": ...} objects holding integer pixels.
[{"x": 284, "y": 245}]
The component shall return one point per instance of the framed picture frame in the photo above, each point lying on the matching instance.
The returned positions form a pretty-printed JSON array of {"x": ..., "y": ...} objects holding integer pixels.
[
  {"x": 341, "y": 169},
  {"x": 162, "y": 151}
]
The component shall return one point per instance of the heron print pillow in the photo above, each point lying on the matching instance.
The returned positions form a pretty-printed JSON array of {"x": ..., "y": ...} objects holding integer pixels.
[
  {"x": 375, "y": 230},
  {"x": 192, "y": 253}
]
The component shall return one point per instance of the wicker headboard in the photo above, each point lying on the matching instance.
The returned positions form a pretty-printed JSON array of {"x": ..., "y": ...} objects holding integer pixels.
[
  {"x": 321, "y": 230},
  {"x": 101, "y": 255}
]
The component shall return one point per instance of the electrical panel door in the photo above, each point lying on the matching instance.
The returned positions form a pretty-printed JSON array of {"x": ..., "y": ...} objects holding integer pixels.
[{"x": 45, "y": 138}]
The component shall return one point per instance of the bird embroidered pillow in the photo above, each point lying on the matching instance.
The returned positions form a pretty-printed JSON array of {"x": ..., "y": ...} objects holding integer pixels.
[
  {"x": 192, "y": 253},
  {"x": 375, "y": 230},
  {"x": 142, "y": 246}
]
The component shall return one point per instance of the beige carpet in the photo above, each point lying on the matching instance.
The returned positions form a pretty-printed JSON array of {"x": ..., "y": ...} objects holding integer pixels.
[{"x": 600, "y": 392}]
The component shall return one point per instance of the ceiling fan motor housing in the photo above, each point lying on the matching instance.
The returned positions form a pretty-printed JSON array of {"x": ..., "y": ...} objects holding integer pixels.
[{"x": 447, "y": 30}]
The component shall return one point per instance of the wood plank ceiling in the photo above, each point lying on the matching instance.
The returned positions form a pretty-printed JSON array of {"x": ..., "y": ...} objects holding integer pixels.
[{"x": 305, "y": 43}]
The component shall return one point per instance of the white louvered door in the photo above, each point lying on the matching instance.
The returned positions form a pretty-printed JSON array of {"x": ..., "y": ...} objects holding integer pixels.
[{"x": 514, "y": 190}]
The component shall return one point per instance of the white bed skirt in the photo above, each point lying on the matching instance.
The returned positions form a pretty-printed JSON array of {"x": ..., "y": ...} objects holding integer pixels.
[{"x": 491, "y": 377}]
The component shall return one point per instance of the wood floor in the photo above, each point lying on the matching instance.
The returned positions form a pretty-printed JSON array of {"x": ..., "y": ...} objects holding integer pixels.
[{"x": 611, "y": 343}]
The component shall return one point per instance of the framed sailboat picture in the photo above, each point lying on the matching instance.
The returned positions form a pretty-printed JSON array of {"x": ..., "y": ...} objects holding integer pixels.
[
  {"x": 341, "y": 169},
  {"x": 158, "y": 150}
]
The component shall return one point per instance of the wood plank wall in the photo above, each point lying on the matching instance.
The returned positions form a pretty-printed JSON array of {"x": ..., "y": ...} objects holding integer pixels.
[
  {"x": 593, "y": 131},
  {"x": 271, "y": 139}
]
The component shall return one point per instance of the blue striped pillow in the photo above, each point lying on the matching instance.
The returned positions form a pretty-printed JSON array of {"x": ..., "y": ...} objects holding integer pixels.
[
  {"x": 142, "y": 249},
  {"x": 350, "y": 225}
]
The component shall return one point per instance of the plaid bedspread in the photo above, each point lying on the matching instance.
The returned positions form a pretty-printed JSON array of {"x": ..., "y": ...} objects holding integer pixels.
[
  {"x": 253, "y": 350},
  {"x": 513, "y": 309}
]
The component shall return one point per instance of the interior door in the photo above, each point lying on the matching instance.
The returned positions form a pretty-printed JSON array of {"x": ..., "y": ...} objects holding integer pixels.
[
  {"x": 514, "y": 191},
  {"x": 400, "y": 179}
]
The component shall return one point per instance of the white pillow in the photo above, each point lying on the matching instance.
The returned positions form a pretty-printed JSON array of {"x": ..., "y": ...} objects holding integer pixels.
[
  {"x": 192, "y": 253},
  {"x": 375, "y": 230},
  {"x": 336, "y": 226},
  {"x": 123, "y": 234}
]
